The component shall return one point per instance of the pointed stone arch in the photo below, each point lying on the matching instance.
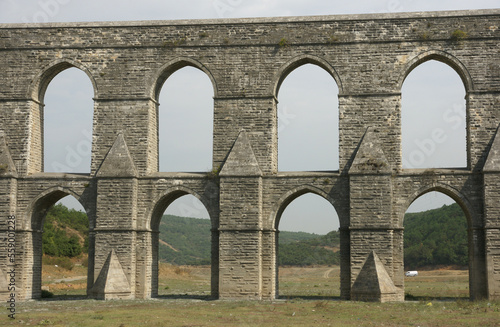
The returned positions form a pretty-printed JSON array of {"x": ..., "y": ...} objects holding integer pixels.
[
  {"x": 299, "y": 61},
  {"x": 443, "y": 57},
  {"x": 165, "y": 71},
  {"x": 38, "y": 207},
  {"x": 476, "y": 255},
  {"x": 163, "y": 201},
  {"x": 42, "y": 79},
  {"x": 204, "y": 135},
  {"x": 36, "y": 93},
  {"x": 293, "y": 194},
  {"x": 448, "y": 190},
  {"x": 31, "y": 237},
  {"x": 307, "y": 112},
  {"x": 423, "y": 145}
]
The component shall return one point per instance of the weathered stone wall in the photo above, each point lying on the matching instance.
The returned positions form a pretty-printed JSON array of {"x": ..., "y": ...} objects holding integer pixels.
[{"x": 369, "y": 57}]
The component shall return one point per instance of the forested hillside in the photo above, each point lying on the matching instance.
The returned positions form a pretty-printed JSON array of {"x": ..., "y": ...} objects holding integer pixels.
[
  {"x": 317, "y": 250},
  {"x": 436, "y": 237},
  {"x": 432, "y": 238},
  {"x": 186, "y": 241},
  {"x": 65, "y": 232}
]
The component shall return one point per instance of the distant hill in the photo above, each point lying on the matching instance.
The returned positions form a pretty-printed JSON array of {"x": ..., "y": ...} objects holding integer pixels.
[
  {"x": 432, "y": 238},
  {"x": 315, "y": 250},
  {"x": 186, "y": 241},
  {"x": 436, "y": 237},
  {"x": 183, "y": 241}
]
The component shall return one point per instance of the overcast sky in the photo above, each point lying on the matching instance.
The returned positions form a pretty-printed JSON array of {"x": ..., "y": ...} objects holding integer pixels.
[{"x": 426, "y": 143}]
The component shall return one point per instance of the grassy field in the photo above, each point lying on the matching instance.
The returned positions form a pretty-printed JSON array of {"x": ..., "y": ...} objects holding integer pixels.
[
  {"x": 309, "y": 282},
  {"x": 308, "y": 296}
]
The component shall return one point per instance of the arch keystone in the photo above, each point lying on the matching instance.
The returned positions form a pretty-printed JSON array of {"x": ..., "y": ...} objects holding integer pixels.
[
  {"x": 370, "y": 157},
  {"x": 118, "y": 161},
  {"x": 241, "y": 160}
]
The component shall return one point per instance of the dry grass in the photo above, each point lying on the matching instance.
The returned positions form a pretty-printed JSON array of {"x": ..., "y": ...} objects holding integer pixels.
[
  {"x": 309, "y": 282},
  {"x": 190, "y": 311},
  {"x": 304, "y": 282},
  {"x": 443, "y": 283},
  {"x": 244, "y": 313}
]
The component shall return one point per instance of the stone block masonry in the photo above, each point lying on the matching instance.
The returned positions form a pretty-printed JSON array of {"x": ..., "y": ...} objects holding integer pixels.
[{"x": 368, "y": 56}]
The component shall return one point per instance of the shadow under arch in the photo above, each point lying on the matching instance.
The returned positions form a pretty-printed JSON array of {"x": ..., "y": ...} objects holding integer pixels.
[
  {"x": 476, "y": 278},
  {"x": 165, "y": 71},
  {"x": 162, "y": 202},
  {"x": 37, "y": 212},
  {"x": 275, "y": 218},
  {"x": 299, "y": 61},
  {"x": 41, "y": 81},
  {"x": 442, "y": 57}
]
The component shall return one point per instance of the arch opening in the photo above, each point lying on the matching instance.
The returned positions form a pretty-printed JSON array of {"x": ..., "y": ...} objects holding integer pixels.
[
  {"x": 308, "y": 262},
  {"x": 183, "y": 248},
  {"x": 308, "y": 113},
  {"x": 437, "y": 245},
  {"x": 434, "y": 117},
  {"x": 62, "y": 249},
  {"x": 185, "y": 119},
  {"x": 67, "y": 108}
]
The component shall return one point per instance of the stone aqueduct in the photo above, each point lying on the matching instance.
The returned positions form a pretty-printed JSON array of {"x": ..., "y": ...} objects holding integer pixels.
[{"x": 369, "y": 57}]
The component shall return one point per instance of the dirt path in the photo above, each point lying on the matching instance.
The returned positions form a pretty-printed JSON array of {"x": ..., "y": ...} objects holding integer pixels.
[
  {"x": 70, "y": 279},
  {"x": 327, "y": 273},
  {"x": 170, "y": 246}
]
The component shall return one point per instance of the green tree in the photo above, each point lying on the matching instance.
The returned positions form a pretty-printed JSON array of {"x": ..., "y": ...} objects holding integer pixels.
[
  {"x": 436, "y": 237},
  {"x": 55, "y": 240}
]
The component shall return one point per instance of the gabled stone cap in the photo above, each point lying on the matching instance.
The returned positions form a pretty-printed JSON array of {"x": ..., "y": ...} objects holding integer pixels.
[
  {"x": 372, "y": 281},
  {"x": 241, "y": 160},
  {"x": 370, "y": 157},
  {"x": 7, "y": 167},
  {"x": 118, "y": 161},
  {"x": 111, "y": 279},
  {"x": 492, "y": 163}
]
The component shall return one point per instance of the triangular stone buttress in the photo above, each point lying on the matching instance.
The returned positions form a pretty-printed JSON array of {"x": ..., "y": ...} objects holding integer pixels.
[
  {"x": 7, "y": 167},
  {"x": 374, "y": 283},
  {"x": 118, "y": 162},
  {"x": 492, "y": 163},
  {"x": 241, "y": 161},
  {"x": 112, "y": 283},
  {"x": 370, "y": 157}
]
